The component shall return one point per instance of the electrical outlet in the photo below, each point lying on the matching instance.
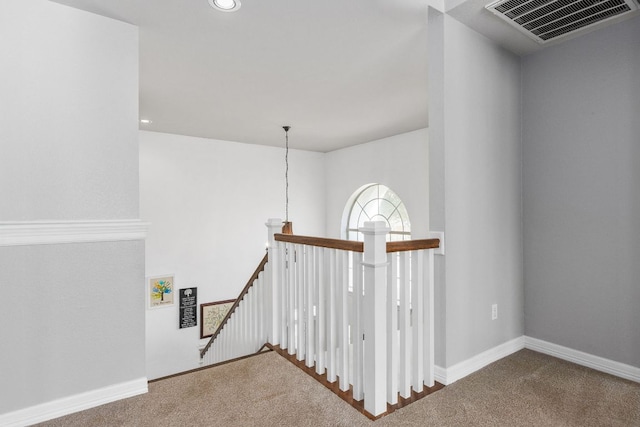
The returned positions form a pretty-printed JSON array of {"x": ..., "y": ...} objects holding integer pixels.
[{"x": 494, "y": 311}]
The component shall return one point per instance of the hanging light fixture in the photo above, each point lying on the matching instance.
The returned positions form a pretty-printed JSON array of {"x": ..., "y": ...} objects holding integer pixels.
[{"x": 287, "y": 227}]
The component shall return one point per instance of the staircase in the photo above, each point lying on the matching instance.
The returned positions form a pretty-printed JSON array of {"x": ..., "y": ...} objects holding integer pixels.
[
  {"x": 358, "y": 315},
  {"x": 243, "y": 330}
]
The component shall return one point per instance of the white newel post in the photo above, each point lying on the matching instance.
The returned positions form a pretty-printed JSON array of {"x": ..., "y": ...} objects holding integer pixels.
[
  {"x": 375, "y": 316},
  {"x": 274, "y": 225}
]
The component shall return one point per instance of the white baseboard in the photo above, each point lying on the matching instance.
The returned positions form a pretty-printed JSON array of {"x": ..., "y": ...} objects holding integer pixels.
[
  {"x": 584, "y": 359},
  {"x": 440, "y": 374},
  {"x": 19, "y": 233},
  {"x": 68, "y": 405},
  {"x": 460, "y": 370}
]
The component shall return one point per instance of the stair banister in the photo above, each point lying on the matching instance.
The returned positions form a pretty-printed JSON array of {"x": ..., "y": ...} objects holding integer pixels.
[{"x": 360, "y": 312}]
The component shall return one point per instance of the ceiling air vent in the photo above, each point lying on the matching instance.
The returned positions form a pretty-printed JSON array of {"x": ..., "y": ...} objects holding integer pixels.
[{"x": 547, "y": 20}]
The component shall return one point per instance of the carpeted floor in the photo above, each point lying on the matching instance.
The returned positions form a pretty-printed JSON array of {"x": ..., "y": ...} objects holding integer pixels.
[{"x": 524, "y": 389}]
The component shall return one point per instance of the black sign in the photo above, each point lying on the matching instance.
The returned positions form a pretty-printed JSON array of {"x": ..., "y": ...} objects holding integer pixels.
[{"x": 188, "y": 305}]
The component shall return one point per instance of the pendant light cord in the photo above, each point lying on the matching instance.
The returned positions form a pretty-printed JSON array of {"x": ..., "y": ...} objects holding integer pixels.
[{"x": 286, "y": 173}]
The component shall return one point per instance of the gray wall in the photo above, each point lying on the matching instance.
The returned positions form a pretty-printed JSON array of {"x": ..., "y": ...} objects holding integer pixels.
[
  {"x": 478, "y": 141},
  {"x": 72, "y": 320},
  {"x": 71, "y": 315},
  {"x": 435, "y": 40},
  {"x": 581, "y": 139}
]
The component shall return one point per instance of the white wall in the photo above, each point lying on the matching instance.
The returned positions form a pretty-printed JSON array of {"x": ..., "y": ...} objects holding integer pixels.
[
  {"x": 475, "y": 141},
  {"x": 68, "y": 91},
  {"x": 581, "y": 140},
  {"x": 71, "y": 319},
  {"x": 400, "y": 162},
  {"x": 208, "y": 201}
]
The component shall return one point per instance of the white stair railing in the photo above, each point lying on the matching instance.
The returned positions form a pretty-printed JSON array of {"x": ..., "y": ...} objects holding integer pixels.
[
  {"x": 360, "y": 313},
  {"x": 243, "y": 331}
]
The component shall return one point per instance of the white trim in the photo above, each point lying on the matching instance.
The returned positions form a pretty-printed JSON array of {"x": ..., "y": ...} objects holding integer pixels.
[
  {"x": 18, "y": 233},
  {"x": 79, "y": 402},
  {"x": 460, "y": 370},
  {"x": 438, "y": 235},
  {"x": 584, "y": 359},
  {"x": 440, "y": 374}
]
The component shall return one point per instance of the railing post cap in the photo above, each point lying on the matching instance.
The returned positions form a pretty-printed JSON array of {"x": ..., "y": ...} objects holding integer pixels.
[{"x": 374, "y": 227}]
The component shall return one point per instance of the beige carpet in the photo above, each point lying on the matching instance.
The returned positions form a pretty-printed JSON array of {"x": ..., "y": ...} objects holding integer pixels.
[{"x": 524, "y": 389}]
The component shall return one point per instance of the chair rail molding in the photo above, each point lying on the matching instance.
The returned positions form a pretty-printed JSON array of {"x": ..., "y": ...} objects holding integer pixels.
[{"x": 22, "y": 233}]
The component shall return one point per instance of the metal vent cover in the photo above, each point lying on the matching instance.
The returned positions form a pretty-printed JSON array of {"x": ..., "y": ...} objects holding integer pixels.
[{"x": 547, "y": 20}]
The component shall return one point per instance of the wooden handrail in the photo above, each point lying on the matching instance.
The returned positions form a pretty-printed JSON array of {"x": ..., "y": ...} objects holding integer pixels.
[
  {"x": 412, "y": 245},
  {"x": 244, "y": 292},
  {"x": 350, "y": 245},
  {"x": 345, "y": 245}
]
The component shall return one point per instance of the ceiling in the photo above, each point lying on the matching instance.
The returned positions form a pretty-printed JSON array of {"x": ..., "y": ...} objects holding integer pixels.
[{"x": 340, "y": 73}]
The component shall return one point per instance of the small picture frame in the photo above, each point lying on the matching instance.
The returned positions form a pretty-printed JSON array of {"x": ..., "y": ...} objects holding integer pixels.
[
  {"x": 160, "y": 291},
  {"x": 211, "y": 316}
]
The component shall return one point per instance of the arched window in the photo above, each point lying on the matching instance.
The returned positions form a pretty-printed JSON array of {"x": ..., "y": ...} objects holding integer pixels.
[{"x": 376, "y": 202}]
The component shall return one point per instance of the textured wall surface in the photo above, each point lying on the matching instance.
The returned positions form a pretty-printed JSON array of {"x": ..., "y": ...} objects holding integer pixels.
[
  {"x": 581, "y": 141},
  {"x": 475, "y": 141},
  {"x": 68, "y": 116},
  {"x": 71, "y": 315}
]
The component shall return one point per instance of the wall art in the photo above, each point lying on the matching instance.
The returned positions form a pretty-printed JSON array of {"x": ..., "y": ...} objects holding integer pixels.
[{"x": 211, "y": 316}]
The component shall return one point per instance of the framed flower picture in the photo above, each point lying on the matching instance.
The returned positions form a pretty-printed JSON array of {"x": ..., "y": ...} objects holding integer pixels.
[{"x": 160, "y": 291}]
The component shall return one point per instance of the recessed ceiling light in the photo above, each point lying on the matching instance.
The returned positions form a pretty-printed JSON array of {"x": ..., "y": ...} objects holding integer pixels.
[
  {"x": 225, "y": 5},
  {"x": 145, "y": 121}
]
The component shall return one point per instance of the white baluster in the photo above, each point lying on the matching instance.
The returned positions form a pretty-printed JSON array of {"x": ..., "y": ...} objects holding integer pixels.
[
  {"x": 244, "y": 333},
  {"x": 291, "y": 302},
  {"x": 404, "y": 382},
  {"x": 429, "y": 346},
  {"x": 417, "y": 317},
  {"x": 301, "y": 310},
  {"x": 234, "y": 333},
  {"x": 357, "y": 332},
  {"x": 253, "y": 336},
  {"x": 267, "y": 302},
  {"x": 229, "y": 341},
  {"x": 343, "y": 319},
  {"x": 216, "y": 358},
  {"x": 251, "y": 316},
  {"x": 260, "y": 319},
  {"x": 320, "y": 315},
  {"x": 310, "y": 303},
  {"x": 264, "y": 309},
  {"x": 331, "y": 315},
  {"x": 392, "y": 333},
  {"x": 284, "y": 299}
]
